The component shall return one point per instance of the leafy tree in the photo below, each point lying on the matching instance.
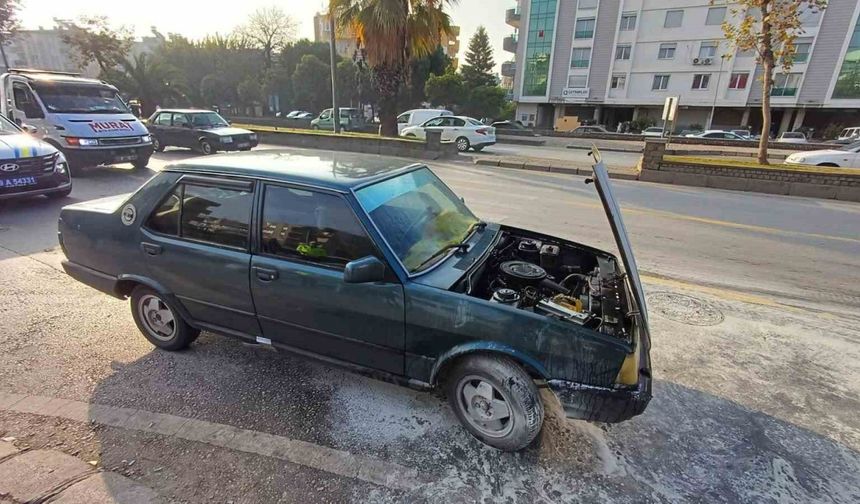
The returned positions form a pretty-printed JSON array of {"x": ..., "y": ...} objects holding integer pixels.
[
  {"x": 96, "y": 41},
  {"x": 391, "y": 33},
  {"x": 770, "y": 28},
  {"x": 312, "y": 84},
  {"x": 269, "y": 29},
  {"x": 446, "y": 90},
  {"x": 9, "y": 24},
  {"x": 215, "y": 90},
  {"x": 478, "y": 70},
  {"x": 485, "y": 101},
  {"x": 150, "y": 81},
  {"x": 250, "y": 92},
  {"x": 421, "y": 69}
]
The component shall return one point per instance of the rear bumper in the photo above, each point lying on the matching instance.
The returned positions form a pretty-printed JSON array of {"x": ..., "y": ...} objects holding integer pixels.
[
  {"x": 234, "y": 146},
  {"x": 95, "y": 279},
  {"x": 45, "y": 185},
  {"x": 114, "y": 155}
]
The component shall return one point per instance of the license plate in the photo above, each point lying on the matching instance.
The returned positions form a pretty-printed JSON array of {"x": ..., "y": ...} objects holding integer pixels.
[
  {"x": 17, "y": 182},
  {"x": 242, "y": 145},
  {"x": 130, "y": 157}
]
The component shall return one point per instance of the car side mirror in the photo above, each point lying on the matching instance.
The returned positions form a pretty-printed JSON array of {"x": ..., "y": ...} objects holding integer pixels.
[
  {"x": 28, "y": 128},
  {"x": 365, "y": 270}
]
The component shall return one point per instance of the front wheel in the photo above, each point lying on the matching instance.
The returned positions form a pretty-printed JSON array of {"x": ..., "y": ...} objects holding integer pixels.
[
  {"x": 496, "y": 401},
  {"x": 157, "y": 146},
  {"x": 140, "y": 163},
  {"x": 159, "y": 322},
  {"x": 206, "y": 147},
  {"x": 463, "y": 144},
  {"x": 60, "y": 194}
]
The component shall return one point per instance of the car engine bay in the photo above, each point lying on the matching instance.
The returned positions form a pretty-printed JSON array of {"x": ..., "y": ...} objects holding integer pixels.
[{"x": 556, "y": 279}]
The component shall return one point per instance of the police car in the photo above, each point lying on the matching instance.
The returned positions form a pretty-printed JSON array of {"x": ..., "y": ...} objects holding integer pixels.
[
  {"x": 84, "y": 118},
  {"x": 29, "y": 166}
]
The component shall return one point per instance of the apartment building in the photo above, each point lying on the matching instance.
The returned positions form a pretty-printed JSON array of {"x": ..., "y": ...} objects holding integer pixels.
[{"x": 617, "y": 60}]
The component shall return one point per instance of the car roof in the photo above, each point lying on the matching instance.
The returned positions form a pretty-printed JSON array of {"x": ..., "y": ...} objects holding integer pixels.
[
  {"x": 339, "y": 171},
  {"x": 184, "y": 111}
]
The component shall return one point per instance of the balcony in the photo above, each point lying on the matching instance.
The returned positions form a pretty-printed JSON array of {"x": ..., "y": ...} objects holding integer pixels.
[
  {"x": 509, "y": 68},
  {"x": 583, "y": 34},
  {"x": 512, "y": 17},
  {"x": 509, "y": 43}
]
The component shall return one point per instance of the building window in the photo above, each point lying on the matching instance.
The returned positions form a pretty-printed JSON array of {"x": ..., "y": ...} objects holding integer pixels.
[
  {"x": 801, "y": 52},
  {"x": 667, "y": 51},
  {"x": 809, "y": 17},
  {"x": 738, "y": 80},
  {"x": 584, "y": 28},
  {"x": 587, "y": 4},
  {"x": 577, "y": 81},
  {"x": 848, "y": 82},
  {"x": 619, "y": 81},
  {"x": 674, "y": 18},
  {"x": 622, "y": 52},
  {"x": 785, "y": 84},
  {"x": 539, "y": 41},
  {"x": 661, "y": 82},
  {"x": 708, "y": 50},
  {"x": 701, "y": 81},
  {"x": 716, "y": 15},
  {"x": 628, "y": 22},
  {"x": 581, "y": 57}
]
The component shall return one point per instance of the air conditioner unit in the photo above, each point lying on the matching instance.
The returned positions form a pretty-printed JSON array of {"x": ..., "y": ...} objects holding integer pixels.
[
  {"x": 697, "y": 61},
  {"x": 707, "y": 61}
]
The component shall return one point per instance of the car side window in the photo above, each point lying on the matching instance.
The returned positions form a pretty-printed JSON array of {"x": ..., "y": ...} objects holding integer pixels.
[
  {"x": 165, "y": 218},
  {"x": 403, "y": 119},
  {"x": 180, "y": 120},
  {"x": 457, "y": 123},
  {"x": 312, "y": 226},
  {"x": 26, "y": 102},
  {"x": 162, "y": 119},
  {"x": 435, "y": 122}
]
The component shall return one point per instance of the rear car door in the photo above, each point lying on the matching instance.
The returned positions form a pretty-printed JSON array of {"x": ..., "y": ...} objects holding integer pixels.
[
  {"x": 302, "y": 301},
  {"x": 196, "y": 244},
  {"x": 182, "y": 132},
  {"x": 453, "y": 129}
]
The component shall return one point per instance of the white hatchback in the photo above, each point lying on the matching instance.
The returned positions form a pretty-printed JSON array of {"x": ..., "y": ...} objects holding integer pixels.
[
  {"x": 847, "y": 156},
  {"x": 466, "y": 132}
]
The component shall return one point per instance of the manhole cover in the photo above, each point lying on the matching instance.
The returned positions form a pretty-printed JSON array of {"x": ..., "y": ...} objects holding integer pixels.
[{"x": 684, "y": 309}]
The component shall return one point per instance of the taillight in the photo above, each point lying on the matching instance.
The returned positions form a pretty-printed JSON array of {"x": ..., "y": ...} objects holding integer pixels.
[{"x": 482, "y": 131}]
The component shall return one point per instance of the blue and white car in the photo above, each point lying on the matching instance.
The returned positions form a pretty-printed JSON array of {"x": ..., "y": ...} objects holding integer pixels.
[
  {"x": 85, "y": 119},
  {"x": 29, "y": 166}
]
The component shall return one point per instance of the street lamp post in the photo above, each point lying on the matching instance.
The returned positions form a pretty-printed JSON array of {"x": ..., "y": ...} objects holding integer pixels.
[
  {"x": 333, "y": 56},
  {"x": 716, "y": 93}
]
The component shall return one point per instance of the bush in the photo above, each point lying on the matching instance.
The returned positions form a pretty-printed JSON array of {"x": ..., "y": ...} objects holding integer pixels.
[{"x": 642, "y": 123}]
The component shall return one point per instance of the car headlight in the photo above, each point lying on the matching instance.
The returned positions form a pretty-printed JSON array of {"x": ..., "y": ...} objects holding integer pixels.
[
  {"x": 146, "y": 139},
  {"x": 226, "y": 139},
  {"x": 61, "y": 166}
]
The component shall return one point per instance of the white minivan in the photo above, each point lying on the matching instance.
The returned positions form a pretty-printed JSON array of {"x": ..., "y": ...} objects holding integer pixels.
[{"x": 417, "y": 117}]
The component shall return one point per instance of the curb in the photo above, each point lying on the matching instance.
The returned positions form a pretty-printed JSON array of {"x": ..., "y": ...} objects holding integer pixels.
[
  {"x": 606, "y": 149},
  {"x": 541, "y": 167}
]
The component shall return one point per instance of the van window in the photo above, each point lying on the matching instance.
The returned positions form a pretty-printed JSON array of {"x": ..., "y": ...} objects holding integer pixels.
[
  {"x": 403, "y": 118},
  {"x": 26, "y": 102}
]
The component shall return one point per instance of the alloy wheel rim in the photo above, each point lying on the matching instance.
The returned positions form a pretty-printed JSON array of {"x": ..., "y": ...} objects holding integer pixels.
[
  {"x": 206, "y": 148},
  {"x": 156, "y": 144},
  {"x": 485, "y": 407},
  {"x": 157, "y": 317},
  {"x": 462, "y": 144}
]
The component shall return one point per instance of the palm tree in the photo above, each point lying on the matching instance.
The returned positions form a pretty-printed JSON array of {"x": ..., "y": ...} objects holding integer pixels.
[
  {"x": 150, "y": 81},
  {"x": 391, "y": 33}
]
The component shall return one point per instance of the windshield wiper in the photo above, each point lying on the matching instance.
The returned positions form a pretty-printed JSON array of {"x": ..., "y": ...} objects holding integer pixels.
[{"x": 462, "y": 247}]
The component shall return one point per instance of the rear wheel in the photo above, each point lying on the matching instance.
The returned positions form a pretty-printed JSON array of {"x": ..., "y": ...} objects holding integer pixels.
[
  {"x": 157, "y": 145},
  {"x": 478, "y": 148},
  {"x": 159, "y": 322},
  {"x": 205, "y": 147},
  {"x": 463, "y": 144},
  {"x": 496, "y": 401}
]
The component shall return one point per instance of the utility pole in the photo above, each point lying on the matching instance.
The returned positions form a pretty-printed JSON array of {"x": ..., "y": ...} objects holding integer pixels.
[
  {"x": 333, "y": 54},
  {"x": 716, "y": 93}
]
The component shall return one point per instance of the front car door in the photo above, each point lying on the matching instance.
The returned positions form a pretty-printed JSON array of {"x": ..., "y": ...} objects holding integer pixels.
[
  {"x": 159, "y": 126},
  {"x": 196, "y": 243},
  {"x": 26, "y": 108},
  {"x": 302, "y": 301}
]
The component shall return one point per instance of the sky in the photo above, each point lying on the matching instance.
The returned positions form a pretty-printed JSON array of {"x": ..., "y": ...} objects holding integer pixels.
[{"x": 196, "y": 18}]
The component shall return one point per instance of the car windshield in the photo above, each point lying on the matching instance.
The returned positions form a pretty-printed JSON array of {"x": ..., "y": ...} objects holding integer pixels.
[
  {"x": 208, "y": 120},
  {"x": 793, "y": 135},
  {"x": 853, "y": 146},
  {"x": 82, "y": 99},
  {"x": 418, "y": 216},
  {"x": 7, "y": 127}
]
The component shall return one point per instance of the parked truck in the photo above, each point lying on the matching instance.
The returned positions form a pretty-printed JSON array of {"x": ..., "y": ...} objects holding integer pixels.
[{"x": 85, "y": 119}]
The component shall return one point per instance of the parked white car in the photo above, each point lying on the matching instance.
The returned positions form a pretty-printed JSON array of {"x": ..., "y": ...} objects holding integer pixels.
[
  {"x": 654, "y": 131},
  {"x": 717, "y": 135},
  {"x": 792, "y": 137},
  {"x": 418, "y": 117},
  {"x": 464, "y": 131},
  {"x": 847, "y": 156},
  {"x": 849, "y": 134}
]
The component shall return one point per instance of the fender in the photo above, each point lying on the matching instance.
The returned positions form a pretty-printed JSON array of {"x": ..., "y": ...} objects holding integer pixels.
[
  {"x": 494, "y": 347},
  {"x": 157, "y": 287}
]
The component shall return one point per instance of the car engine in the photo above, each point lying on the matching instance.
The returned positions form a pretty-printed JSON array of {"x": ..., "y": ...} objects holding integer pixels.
[{"x": 556, "y": 279}]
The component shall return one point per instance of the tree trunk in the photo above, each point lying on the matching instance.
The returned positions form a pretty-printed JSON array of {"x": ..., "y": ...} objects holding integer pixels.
[
  {"x": 3, "y": 52},
  {"x": 767, "y": 84},
  {"x": 387, "y": 80}
]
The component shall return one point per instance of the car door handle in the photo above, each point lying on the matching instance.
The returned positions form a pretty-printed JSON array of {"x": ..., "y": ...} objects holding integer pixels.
[
  {"x": 265, "y": 274},
  {"x": 151, "y": 249}
]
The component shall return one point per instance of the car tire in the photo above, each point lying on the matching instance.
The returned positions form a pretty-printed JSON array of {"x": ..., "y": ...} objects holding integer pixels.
[
  {"x": 157, "y": 146},
  {"x": 478, "y": 148},
  {"x": 463, "y": 144},
  {"x": 140, "y": 163},
  {"x": 479, "y": 386},
  {"x": 159, "y": 321},
  {"x": 410, "y": 135},
  {"x": 206, "y": 148},
  {"x": 315, "y": 127}
]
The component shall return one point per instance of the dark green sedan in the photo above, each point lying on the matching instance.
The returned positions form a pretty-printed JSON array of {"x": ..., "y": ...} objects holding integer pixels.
[{"x": 379, "y": 267}]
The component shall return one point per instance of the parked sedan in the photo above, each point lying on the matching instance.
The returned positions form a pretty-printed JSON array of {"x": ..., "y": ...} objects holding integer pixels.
[
  {"x": 654, "y": 131},
  {"x": 201, "y": 130},
  {"x": 379, "y": 267},
  {"x": 792, "y": 137},
  {"x": 466, "y": 132},
  {"x": 847, "y": 156},
  {"x": 717, "y": 135}
]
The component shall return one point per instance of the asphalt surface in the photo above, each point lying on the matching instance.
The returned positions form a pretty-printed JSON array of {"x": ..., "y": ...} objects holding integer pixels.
[{"x": 754, "y": 304}]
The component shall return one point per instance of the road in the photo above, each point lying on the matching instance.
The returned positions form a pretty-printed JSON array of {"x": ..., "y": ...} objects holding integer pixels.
[{"x": 755, "y": 309}]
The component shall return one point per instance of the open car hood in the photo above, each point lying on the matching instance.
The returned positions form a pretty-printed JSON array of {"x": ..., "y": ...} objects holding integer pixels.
[{"x": 613, "y": 212}]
